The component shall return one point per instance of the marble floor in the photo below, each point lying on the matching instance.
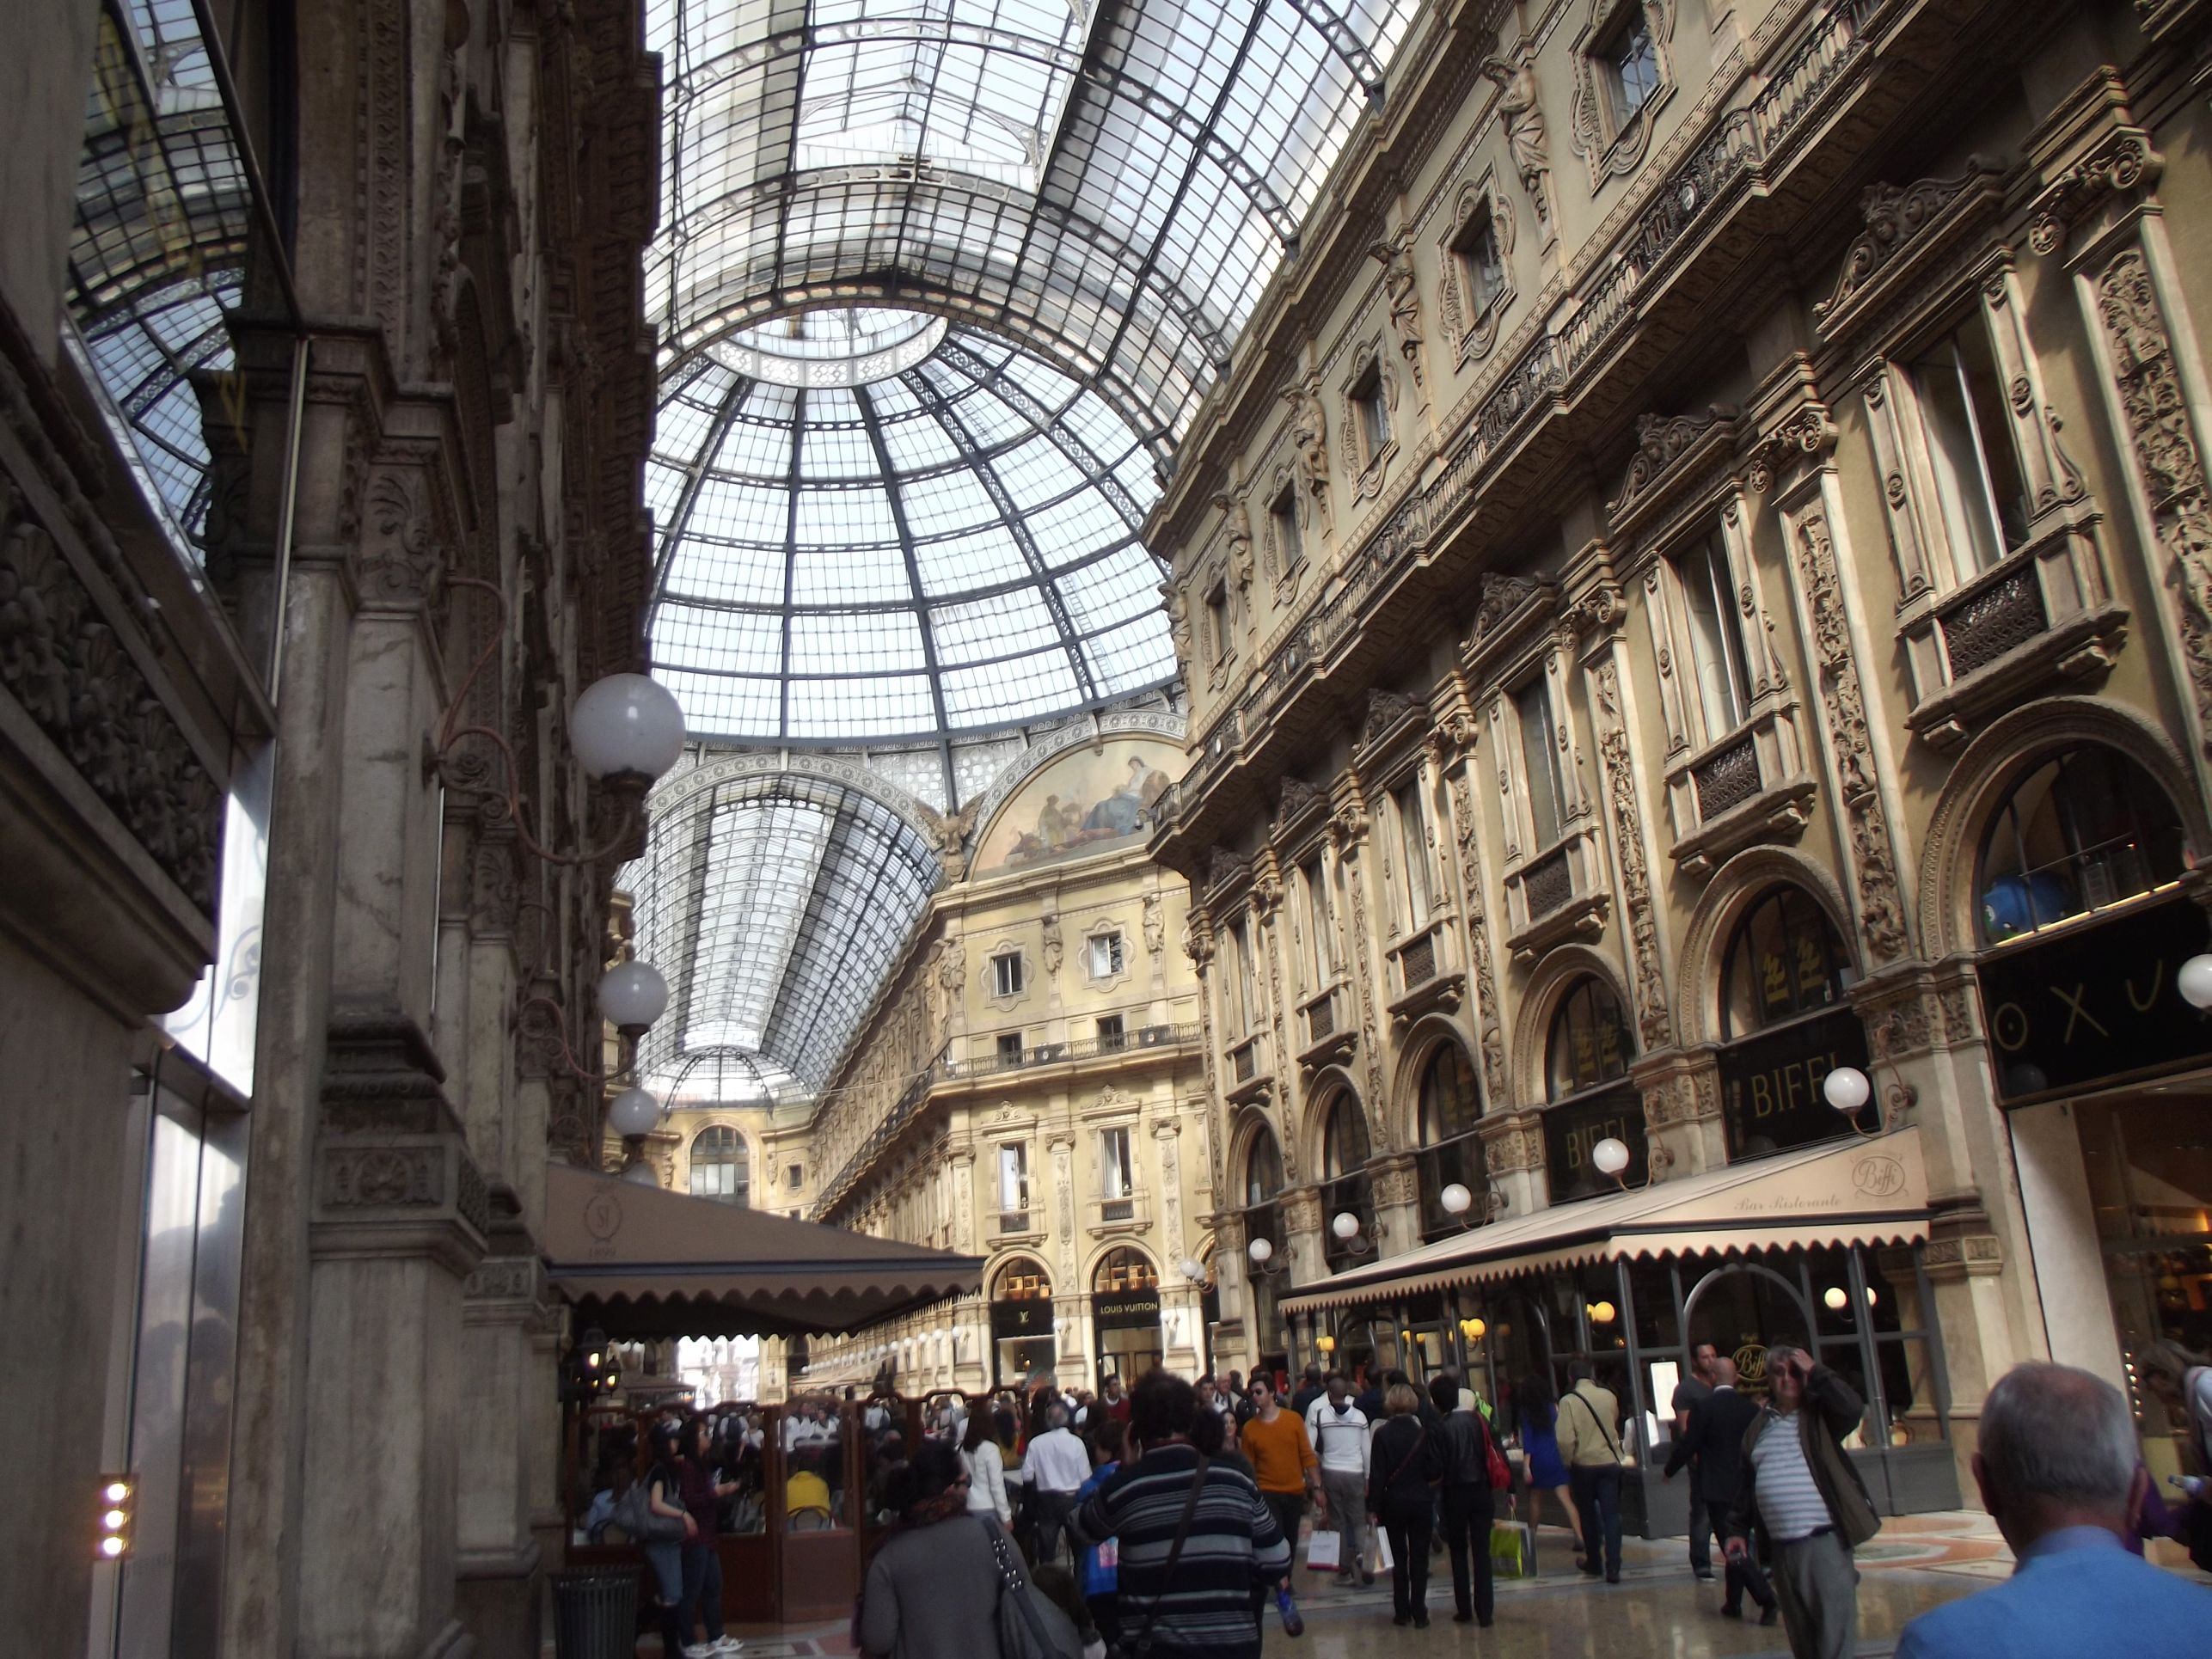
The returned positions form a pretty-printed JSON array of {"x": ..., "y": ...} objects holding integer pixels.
[{"x": 1658, "y": 1611}]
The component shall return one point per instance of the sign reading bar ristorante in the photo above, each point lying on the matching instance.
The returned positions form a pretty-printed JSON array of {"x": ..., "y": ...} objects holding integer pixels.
[{"x": 2095, "y": 1004}]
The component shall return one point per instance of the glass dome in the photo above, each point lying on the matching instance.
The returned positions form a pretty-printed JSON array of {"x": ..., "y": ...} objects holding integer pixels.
[{"x": 877, "y": 526}]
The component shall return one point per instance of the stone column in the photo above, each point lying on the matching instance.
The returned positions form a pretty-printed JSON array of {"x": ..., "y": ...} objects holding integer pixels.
[
  {"x": 507, "y": 1309},
  {"x": 1396, "y": 1185},
  {"x": 1301, "y": 1243}
]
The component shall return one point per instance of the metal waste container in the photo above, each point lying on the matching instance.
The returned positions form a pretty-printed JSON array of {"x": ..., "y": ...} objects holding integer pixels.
[{"x": 595, "y": 1613}]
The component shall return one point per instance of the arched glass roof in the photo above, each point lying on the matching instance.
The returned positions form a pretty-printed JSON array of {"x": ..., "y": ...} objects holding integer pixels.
[
  {"x": 876, "y": 526},
  {"x": 774, "y": 903}
]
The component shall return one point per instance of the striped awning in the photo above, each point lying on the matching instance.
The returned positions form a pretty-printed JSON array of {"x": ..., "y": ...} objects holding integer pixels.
[{"x": 1859, "y": 1191}]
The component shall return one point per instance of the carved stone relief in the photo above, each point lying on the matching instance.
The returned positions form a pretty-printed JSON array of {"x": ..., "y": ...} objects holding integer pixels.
[
  {"x": 1518, "y": 107},
  {"x": 1653, "y": 1019},
  {"x": 1401, "y": 288}
]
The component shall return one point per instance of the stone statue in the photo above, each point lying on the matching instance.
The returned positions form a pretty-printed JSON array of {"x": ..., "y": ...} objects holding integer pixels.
[
  {"x": 1240, "y": 541},
  {"x": 1524, "y": 127},
  {"x": 1309, "y": 451},
  {"x": 1403, "y": 292},
  {"x": 1178, "y": 620}
]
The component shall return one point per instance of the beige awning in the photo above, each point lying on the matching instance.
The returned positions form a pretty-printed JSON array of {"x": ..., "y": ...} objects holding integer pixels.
[
  {"x": 638, "y": 1261},
  {"x": 1859, "y": 1191}
]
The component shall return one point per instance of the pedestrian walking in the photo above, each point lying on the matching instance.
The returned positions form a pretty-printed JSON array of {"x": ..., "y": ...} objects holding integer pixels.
[
  {"x": 1055, "y": 1467},
  {"x": 701, "y": 1495},
  {"x": 1696, "y": 1387},
  {"x": 932, "y": 1590},
  {"x": 1589, "y": 1445},
  {"x": 1713, "y": 1444},
  {"x": 1339, "y": 1431},
  {"x": 1281, "y": 1452},
  {"x": 1536, "y": 1416},
  {"x": 1194, "y": 1541},
  {"x": 1404, "y": 1466},
  {"x": 1798, "y": 1485},
  {"x": 983, "y": 1460},
  {"x": 1468, "y": 1504}
]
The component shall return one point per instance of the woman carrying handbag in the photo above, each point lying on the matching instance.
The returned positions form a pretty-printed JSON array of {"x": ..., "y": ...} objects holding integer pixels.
[{"x": 1403, "y": 1469}]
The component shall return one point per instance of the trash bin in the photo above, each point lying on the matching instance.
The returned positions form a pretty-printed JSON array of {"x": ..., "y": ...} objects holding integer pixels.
[{"x": 595, "y": 1613}]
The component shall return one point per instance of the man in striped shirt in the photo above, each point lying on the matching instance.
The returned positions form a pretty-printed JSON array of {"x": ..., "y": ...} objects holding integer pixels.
[
  {"x": 1798, "y": 1484},
  {"x": 1234, "y": 1551}
]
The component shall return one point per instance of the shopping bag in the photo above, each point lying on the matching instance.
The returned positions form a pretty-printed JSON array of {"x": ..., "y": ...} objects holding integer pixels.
[
  {"x": 1325, "y": 1550},
  {"x": 1381, "y": 1550},
  {"x": 1511, "y": 1549}
]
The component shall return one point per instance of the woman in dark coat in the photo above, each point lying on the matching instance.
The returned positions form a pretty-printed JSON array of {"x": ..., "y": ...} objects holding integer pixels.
[{"x": 1404, "y": 1463}]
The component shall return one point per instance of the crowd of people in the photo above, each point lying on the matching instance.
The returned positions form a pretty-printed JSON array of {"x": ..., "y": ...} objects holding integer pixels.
[{"x": 1164, "y": 1518}]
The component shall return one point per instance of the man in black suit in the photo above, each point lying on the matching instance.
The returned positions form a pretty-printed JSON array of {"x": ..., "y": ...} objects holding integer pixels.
[{"x": 1715, "y": 1438}]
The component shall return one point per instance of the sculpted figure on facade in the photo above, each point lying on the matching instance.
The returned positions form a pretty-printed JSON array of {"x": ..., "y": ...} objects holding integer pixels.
[
  {"x": 1237, "y": 527},
  {"x": 1401, "y": 288},
  {"x": 1310, "y": 453},
  {"x": 1523, "y": 116}
]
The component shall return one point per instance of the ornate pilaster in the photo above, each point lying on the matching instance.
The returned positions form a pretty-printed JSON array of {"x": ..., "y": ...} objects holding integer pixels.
[
  {"x": 1631, "y": 858},
  {"x": 1453, "y": 744},
  {"x": 1348, "y": 832}
]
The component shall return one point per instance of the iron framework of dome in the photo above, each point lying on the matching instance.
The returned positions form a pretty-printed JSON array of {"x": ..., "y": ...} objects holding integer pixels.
[{"x": 876, "y": 528}]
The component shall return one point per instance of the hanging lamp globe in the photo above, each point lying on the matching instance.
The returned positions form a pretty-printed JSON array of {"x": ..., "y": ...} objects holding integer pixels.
[
  {"x": 627, "y": 726},
  {"x": 632, "y": 1112},
  {"x": 632, "y": 995}
]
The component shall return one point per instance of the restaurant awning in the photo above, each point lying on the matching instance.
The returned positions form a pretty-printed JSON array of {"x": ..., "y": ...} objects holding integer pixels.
[
  {"x": 1859, "y": 1191},
  {"x": 640, "y": 1262}
]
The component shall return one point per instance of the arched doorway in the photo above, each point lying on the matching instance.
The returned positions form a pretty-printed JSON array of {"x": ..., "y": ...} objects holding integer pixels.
[
  {"x": 1586, "y": 1055},
  {"x": 1269, "y": 1334},
  {"x": 1785, "y": 1025},
  {"x": 1125, "y": 1314},
  {"x": 1021, "y": 1327},
  {"x": 1345, "y": 1188},
  {"x": 1451, "y": 1152}
]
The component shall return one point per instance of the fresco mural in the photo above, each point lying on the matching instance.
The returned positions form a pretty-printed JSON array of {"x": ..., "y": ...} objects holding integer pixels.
[{"x": 1080, "y": 803}]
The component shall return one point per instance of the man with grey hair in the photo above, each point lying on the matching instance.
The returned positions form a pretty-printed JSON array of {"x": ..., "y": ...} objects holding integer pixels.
[
  {"x": 1798, "y": 1484},
  {"x": 2061, "y": 1472},
  {"x": 1055, "y": 1467}
]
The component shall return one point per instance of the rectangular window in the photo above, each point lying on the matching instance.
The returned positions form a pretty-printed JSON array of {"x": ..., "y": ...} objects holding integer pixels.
[
  {"x": 1541, "y": 758},
  {"x": 1005, "y": 974},
  {"x": 1481, "y": 269},
  {"x": 1217, "y": 622},
  {"x": 796, "y": 1177},
  {"x": 1111, "y": 1035},
  {"x": 1282, "y": 519},
  {"x": 1106, "y": 955},
  {"x": 1118, "y": 1173},
  {"x": 1632, "y": 66},
  {"x": 1979, "y": 493},
  {"x": 1372, "y": 407},
  {"x": 1013, "y": 1178},
  {"x": 1413, "y": 831},
  {"x": 1009, "y": 1049},
  {"x": 1723, "y": 678},
  {"x": 1320, "y": 953}
]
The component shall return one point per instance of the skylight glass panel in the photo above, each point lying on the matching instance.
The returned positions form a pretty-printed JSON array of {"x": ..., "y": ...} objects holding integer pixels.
[
  {"x": 1000, "y": 626},
  {"x": 1024, "y": 686},
  {"x": 720, "y": 641}
]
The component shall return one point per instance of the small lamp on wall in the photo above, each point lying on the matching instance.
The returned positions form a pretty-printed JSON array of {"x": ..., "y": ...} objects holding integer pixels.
[
  {"x": 1612, "y": 1156},
  {"x": 1327, "y": 1343},
  {"x": 1261, "y": 1253},
  {"x": 1847, "y": 1089},
  {"x": 1345, "y": 1226}
]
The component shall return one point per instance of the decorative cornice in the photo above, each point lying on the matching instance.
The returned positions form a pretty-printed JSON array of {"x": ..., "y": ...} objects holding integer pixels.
[
  {"x": 1806, "y": 432},
  {"x": 1897, "y": 218},
  {"x": 2122, "y": 163},
  {"x": 1665, "y": 449}
]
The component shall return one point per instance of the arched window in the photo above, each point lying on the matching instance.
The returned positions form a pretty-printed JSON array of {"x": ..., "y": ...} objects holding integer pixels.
[
  {"x": 1590, "y": 1042},
  {"x": 1263, "y": 1170},
  {"x": 1785, "y": 960},
  {"x": 1124, "y": 1269},
  {"x": 1344, "y": 1139},
  {"x": 1451, "y": 1101},
  {"x": 1451, "y": 1155},
  {"x": 2085, "y": 829},
  {"x": 1023, "y": 1279},
  {"x": 720, "y": 1168}
]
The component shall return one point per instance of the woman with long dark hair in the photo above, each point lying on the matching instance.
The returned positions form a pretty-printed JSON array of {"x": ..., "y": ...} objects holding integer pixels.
[
  {"x": 983, "y": 1460},
  {"x": 1538, "y": 1411},
  {"x": 933, "y": 1587}
]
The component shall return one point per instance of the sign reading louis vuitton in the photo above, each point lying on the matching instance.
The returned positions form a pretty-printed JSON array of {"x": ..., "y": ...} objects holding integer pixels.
[{"x": 2095, "y": 1004}]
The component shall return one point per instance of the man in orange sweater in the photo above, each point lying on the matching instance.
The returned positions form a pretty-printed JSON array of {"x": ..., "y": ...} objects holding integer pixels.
[{"x": 1282, "y": 1455}]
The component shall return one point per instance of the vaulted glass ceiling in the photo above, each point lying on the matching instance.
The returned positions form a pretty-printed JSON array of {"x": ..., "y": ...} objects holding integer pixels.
[{"x": 876, "y": 527}]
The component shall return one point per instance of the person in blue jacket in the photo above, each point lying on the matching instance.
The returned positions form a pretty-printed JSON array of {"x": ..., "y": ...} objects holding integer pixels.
[{"x": 1098, "y": 1573}]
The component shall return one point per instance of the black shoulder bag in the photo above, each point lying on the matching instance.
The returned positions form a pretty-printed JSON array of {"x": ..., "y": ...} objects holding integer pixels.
[{"x": 1143, "y": 1644}]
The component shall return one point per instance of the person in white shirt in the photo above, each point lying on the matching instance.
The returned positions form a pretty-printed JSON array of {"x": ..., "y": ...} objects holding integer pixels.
[
  {"x": 1056, "y": 1465},
  {"x": 985, "y": 1462},
  {"x": 1339, "y": 1434}
]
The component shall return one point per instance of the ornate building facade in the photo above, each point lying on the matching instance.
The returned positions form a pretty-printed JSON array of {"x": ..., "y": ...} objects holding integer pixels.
[
  {"x": 1028, "y": 1088},
  {"x": 1698, "y": 587},
  {"x": 327, "y": 387}
]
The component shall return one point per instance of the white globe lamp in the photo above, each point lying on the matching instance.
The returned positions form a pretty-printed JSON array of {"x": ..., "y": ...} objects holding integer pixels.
[
  {"x": 1345, "y": 1226},
  {"x": 1847, "y": 1089},
  {"x": 1455, "y": 1199},
  {"x": 632, "y": 1112},
  {"x": 1193, "y": 1269},
  {"x": 1610, "y": 1155},
  {"x": 2195, "y": 981},
  {"x": 632, "y": 995},
  {"x": 627, "y": 726},
  {"x": 1837, "y": 1298},
  {"x": 1260, "y": 1250}
]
